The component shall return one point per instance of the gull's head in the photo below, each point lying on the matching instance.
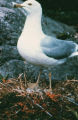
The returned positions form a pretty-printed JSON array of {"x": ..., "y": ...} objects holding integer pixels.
[{"x": 31, "y": 7}]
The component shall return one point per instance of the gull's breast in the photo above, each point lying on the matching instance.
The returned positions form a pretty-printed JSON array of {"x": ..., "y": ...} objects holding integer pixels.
[
  {"x": 29, "y": 51},
  {"x": 33, "y": 54}
]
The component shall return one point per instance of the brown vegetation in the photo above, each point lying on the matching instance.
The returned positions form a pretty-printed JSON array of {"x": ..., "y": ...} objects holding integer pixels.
[{"x": 17, "y": 102}]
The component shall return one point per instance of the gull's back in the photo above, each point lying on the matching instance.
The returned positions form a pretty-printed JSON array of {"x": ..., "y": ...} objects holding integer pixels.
[{"x": 57, "y": 49}]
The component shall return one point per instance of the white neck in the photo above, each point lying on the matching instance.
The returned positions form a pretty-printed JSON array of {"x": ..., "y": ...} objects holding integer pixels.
[
  {"x": 33, "y": 26},
  {"x": 32, "y": 34}
]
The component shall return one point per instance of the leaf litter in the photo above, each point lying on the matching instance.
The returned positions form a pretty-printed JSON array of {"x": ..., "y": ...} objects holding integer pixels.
[{"x": 19, "y": 102}]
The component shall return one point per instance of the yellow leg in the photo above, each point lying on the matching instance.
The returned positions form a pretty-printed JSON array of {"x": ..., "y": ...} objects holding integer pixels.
[{"x": 50, "y": 81}]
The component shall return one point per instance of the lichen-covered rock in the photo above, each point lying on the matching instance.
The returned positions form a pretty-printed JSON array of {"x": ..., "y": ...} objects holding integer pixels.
[
  {"x": 52, "y": 27},
  {"x": 11, "y": 25}
]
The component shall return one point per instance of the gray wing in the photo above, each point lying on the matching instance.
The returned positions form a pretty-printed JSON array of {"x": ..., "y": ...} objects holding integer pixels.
[{"x": 56, "y": 48}]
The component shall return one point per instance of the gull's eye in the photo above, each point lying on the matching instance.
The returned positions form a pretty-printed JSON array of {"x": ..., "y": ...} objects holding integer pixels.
[{"x": 30, "y": 4}]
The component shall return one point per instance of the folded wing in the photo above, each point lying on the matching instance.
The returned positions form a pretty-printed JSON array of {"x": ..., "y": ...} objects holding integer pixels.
[{"x": 56, "y": 48}]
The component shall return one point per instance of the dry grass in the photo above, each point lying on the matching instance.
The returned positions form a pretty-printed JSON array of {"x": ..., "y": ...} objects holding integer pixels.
[{"x": 18, "y": 102}]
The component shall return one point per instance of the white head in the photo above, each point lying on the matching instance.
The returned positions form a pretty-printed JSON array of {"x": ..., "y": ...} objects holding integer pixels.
[{"x": 31, "y": 7}]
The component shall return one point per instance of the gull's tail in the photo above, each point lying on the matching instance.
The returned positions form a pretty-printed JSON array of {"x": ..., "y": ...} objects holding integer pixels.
[{"x": 75, "y": 53}]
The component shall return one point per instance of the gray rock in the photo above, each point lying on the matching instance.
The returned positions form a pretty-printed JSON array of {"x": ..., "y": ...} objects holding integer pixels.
[
  {"x": 11, "y": 64},
  {"x": 52, "y": 27},
  {"x": 8, "y": 52},
  {"x": 12, "y": 68},
  {"x": 10, "y": 25}
]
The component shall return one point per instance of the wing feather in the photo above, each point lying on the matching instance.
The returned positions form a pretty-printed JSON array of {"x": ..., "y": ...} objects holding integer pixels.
[{"x": 56, "y": 48}]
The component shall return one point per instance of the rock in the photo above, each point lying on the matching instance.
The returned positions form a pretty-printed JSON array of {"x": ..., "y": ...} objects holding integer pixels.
[
  {"x": 8, "y": 52},
  {"x": 12, "y": 68},
  {"x": 10, "y": 24},
  {"x": 53, "y": 28},
  {"x": 11, "y": 64}
]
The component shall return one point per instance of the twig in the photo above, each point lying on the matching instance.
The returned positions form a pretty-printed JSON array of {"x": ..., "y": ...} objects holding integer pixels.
[
  {"x": 70, "y": 100},
  {"x": 16, "y": 112},
  {"x": 13, "y": 106},
  {"x": 72, "y": 80},
  {"x": 19, "y": 90},
  {"x": 25, "y": 80},
  {"x": 9, "y": 85},
  {"x": 6, "y": 86},
  {"x": 20, "y": 80},
  {"x": 43, "y": 109},
  {"x": 20, "y": 75},
  {"x": 2, "y": 84}
]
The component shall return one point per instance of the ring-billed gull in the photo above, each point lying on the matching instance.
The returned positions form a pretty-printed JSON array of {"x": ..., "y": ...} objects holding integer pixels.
[{"x": 38, "y": 48}]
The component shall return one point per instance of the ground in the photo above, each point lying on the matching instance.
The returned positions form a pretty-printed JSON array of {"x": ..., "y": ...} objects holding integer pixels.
[{"x": 18, "y": 102}]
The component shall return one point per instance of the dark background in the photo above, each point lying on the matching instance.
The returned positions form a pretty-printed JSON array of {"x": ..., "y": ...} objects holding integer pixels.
[
  {"x": 56, "y": 4},
  {"x": 65, "y": 11},
  {"x": 60, "y": 4}
]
